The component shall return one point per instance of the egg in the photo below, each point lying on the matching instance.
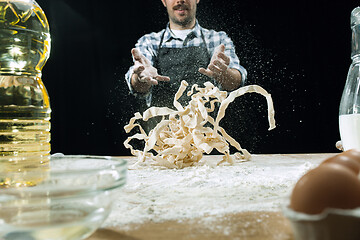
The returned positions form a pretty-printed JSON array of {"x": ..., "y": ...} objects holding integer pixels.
[
  {"x": 330, "y": 185},
  {"x": 352, "y": 153},
  {"x": 346, "y": 160}
]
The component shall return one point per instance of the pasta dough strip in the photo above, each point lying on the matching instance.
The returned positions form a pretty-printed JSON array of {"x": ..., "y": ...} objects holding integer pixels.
[{"x": 181, "y": 139}]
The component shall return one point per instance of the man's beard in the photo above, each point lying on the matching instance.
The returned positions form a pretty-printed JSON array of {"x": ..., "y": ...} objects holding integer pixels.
[{"x": 184, "y": 22}]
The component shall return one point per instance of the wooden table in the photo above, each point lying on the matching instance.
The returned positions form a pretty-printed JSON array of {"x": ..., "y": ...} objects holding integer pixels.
[{"x": 245, "y": 225}]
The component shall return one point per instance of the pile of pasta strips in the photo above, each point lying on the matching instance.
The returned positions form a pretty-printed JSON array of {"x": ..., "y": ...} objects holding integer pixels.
[{"x": 185, "y": 134}]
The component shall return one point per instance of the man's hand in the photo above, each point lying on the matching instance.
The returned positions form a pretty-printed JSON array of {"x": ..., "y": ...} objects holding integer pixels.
[
  {"x": 144, "y": 74},
  {"x": 219, "y": 69},
  {"x": 218, "y": 64}
]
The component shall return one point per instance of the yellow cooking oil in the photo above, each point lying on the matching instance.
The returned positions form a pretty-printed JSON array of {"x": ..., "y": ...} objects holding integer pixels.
[{"x": 24, "y": 101}]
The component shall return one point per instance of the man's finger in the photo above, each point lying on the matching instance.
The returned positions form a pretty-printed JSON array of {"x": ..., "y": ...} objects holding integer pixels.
[
  {"x": 153, "y": 82},
  {"x": 136, "y": 54},
  {"x": 223, "y": 67},
  {"x": 206, "y": 72},
  {"x": 145, "y": 79},
  {"x": 149, "y": 80},
  {"x": 224, "y": 57},
  {"x": 219, "y": 49},
  {"x": 162, "y": 78},
  {"x": 222, "y": 48},
  {"x": 138, "y": 69},
  {"x": 215, "y": 70}
]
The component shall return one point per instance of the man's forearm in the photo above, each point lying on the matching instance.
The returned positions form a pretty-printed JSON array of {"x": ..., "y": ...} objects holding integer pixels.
[{"x": 230, "y": 80}]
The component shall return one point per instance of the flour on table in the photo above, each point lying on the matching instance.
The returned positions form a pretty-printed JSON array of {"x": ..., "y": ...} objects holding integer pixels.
[{"x": 157, "y": 194}]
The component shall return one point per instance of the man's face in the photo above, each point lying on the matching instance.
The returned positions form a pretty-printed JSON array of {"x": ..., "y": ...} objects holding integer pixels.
[{"x": 181, "y": 12}]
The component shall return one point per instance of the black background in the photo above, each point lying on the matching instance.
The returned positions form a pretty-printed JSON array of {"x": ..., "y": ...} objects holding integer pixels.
[{"x": 298, "y": 51}]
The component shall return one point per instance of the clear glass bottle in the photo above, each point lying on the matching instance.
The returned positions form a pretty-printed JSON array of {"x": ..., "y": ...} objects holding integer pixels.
[
  {"x": 349, "y": 111},
  {"x": 24, "y": 101}
]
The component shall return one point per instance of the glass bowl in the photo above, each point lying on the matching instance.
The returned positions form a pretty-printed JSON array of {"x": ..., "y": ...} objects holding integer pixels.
[{"x": 67, "y": 200}]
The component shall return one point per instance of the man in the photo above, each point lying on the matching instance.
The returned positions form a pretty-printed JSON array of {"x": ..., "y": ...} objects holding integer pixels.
[{"x": 182, "y": 51}]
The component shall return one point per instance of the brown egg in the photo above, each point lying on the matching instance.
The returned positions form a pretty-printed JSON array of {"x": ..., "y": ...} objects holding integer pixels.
[
  {"x": 345, "y": 160},
  {"x": 330, "y": 185},
  {"x": 352, "y": 153}
]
